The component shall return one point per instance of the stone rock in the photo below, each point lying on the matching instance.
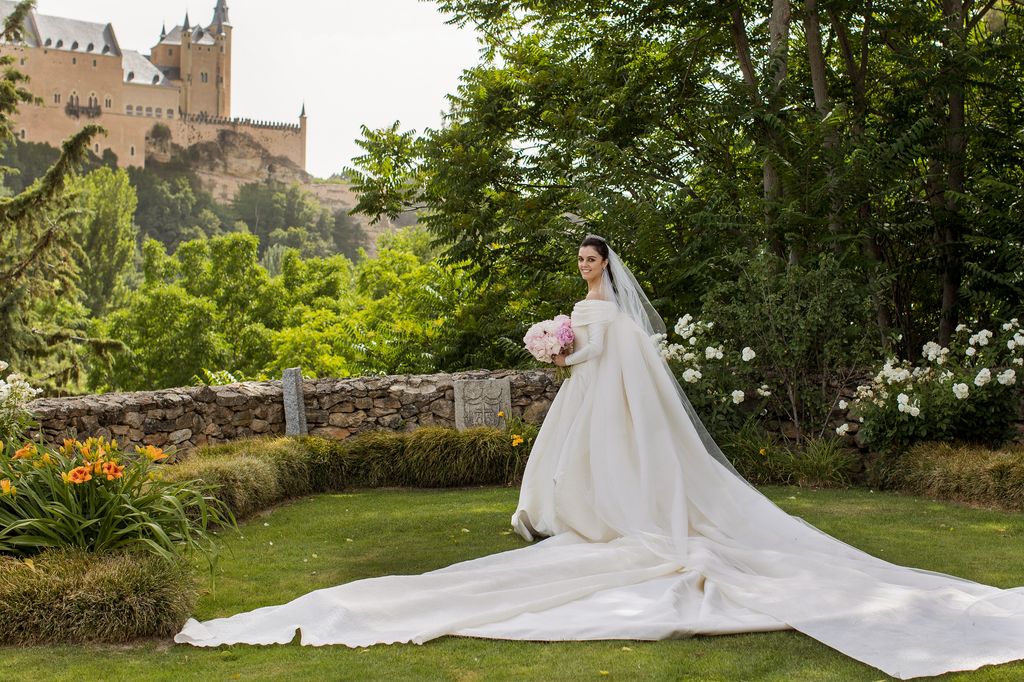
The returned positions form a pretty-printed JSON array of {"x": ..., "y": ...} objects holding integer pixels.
[
  {"x": 259, "y": 426},
  {"x": 179, "y": 436},
  {"x": 330, "y": 432}
]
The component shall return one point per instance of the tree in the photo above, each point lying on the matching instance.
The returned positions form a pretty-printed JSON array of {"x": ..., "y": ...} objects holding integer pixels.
[
  {"x": 689, "y": 133},
  {"x": 38, "y": 272},
  {"x": 107, "y": 234}
]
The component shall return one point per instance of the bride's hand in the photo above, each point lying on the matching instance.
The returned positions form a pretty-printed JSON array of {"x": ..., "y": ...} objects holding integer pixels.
[{"x": 558, "y": 360}]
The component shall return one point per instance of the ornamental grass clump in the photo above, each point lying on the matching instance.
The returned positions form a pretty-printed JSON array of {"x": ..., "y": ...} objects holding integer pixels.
[
  {"x": 73, "y": 596},
  {"x": 967, "y": 391},
  {"x": 94, "y": 496}
]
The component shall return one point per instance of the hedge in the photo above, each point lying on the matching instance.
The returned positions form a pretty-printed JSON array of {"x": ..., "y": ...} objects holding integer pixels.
[
  {"x": 253, "y": 474},
  {"x": 961, "y": 473},
  {"x": 72, "y": 596}
]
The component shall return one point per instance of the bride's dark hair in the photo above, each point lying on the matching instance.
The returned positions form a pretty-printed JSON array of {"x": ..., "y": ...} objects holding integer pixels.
[{"x": 601, "y": 245}]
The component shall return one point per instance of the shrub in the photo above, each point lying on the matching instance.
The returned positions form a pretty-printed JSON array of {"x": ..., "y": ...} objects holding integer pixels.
[
  {"x": 15, "y": 394},
  {"x": 71, "y": 596},
  {"x": 962, "y": 473},
  {"x": 966, "y": 392},
  {"x": 94, "y": 496},
  {"x": 253, "y": 474},
  {"x": 762, "y": 459},
  {"x": 805, "y": 324},
  {"x": 823, "y": 463}
]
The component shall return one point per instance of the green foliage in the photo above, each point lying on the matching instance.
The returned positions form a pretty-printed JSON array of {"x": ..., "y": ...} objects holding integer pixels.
[
  {"x": 806, "y": 325},
  {"x": 73, "y": 596},
  {"x": 106, "y": 233},
  {"x": 98, "y": 498},
  {"x": 762, "y": 458},
  {"x": 671, "y": 132},
  {"x": 41, "y": 319},
  {"x": 962, "y": 473}
]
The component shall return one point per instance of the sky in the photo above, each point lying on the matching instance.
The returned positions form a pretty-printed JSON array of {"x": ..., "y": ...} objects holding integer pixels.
[{"x": 352, "y": 62}]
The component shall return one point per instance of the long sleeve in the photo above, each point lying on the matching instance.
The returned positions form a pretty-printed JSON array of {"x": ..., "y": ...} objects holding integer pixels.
[{"x": 594, "y": 345}]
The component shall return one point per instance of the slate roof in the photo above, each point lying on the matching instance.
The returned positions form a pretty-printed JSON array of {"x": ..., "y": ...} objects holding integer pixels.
[
  {"x": 69, "y": 35},
  {"x": 200, "y": 36},
  {"x": 138, "y": 69}
]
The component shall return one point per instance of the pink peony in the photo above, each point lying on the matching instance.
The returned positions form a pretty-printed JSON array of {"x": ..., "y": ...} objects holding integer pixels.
[{"x": 549, "y": 338}]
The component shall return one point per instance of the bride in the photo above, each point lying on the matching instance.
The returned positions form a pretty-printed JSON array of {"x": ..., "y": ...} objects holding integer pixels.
[{"x": 649, "y": 533}]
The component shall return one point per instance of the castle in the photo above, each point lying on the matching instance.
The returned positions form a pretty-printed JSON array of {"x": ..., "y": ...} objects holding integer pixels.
[{"x": 83, "y": 75}]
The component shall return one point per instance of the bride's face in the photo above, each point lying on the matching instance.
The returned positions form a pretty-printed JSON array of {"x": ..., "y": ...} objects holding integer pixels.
[{"x": 591, "y": 264}]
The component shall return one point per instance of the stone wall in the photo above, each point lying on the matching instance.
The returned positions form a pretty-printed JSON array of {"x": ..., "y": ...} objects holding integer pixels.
[{"x": 185, "y": 418}]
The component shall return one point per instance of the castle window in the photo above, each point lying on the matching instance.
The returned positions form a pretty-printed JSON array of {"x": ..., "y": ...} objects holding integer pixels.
[
  {"x": 23, "y": 61},
  {"x": 108, "y": 103},
  {"x": 204, "y": 77},
  {"x": 23, "y": 134},
  {"x": 138, "y": 110},
  {"x": 56, "y": 98},
  {"x": 94, "y": 63},
  {"x": 60, "y": 44},
  {"x": 170, "y": 52},
  {"x": 90, "y": 48},
  {"x": 96, "y": 147},
  {"x": 132, "y": 150},
  {"x": 74, "y": 60},
  {"x": 170, "y": 113},
  {"x": 149, "y": 111},
  {"x": 74, "y": 45},
  {"x": 128, "y": 109},
  {"x": 159, "y": 112}
]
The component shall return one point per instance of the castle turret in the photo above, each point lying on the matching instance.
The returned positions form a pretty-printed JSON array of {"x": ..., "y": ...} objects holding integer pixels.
[
  {"x": 221, "y": 30},
  {"x": 186, "y": 66},
  {"x": 220, "y": 14},
  {"x": 302, "y": 133}
]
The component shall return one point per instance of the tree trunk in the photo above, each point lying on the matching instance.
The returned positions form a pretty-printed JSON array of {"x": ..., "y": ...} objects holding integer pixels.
[
  {"x": 950, "y": 222},
  {"x": 819, "y": 83}
]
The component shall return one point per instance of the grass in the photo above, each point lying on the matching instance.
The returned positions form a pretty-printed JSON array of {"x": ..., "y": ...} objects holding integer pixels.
[{"x": 325, "y": 540}]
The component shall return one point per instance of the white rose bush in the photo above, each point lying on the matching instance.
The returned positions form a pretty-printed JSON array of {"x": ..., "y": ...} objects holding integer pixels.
[
  {"x": 968, "y": 391},
  {"x": 15, "y": 394},
  {"x": 718, "y": 379}
]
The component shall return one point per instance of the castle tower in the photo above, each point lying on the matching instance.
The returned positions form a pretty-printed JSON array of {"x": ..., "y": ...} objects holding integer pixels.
[
  {"x": 186, "y": 67},
  {"x": 302, "y": 137},
  {"x": 221, "y": 30}
]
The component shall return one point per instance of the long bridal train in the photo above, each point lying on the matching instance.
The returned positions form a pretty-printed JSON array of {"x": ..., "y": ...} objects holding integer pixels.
[{"x": 652, "y": 538}]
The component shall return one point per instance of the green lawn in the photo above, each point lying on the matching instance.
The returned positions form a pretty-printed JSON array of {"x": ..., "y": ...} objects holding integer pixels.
[{"x": 322, "y": 541}]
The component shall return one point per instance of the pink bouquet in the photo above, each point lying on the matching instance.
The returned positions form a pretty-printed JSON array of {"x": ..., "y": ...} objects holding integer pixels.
[{"x": 546, "y": 339}]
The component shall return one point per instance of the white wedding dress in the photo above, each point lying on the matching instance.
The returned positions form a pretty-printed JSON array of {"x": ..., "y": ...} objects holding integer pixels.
[{"x": 652, "y": 538}]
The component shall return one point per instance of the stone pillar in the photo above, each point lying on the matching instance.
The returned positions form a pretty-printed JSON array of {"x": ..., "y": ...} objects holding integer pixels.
[{"x": 294, "y": 403}]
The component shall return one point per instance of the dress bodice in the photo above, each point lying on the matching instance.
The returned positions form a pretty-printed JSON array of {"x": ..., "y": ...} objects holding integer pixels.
[{"x": 590, "y": 319}]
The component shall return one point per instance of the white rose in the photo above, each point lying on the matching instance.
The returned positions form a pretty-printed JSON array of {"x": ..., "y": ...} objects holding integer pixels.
[
  {"x": 737, "y": 397},
  {"x": 691, "y": 376},
  {"x": 903, "y": 399},
  {"x": 842, "y": 429},
  {"x": 1011, "y": 344},
  {"x": 961, "y": 391},
  {"x": 914, "y": 411},
  {"x": 748, "y": 354},
  {"x": 1018, "y": 361},
  {"x": 961, "y": 327},
  {"x": 3, "y": 365},
  {"x": 843, "y": 404},
  {"x": 984, "y": 376},
  {"x": 971, "y": 351},
  {"x": 693, "y": 340},
  {"x": 1007, "y": 378}
]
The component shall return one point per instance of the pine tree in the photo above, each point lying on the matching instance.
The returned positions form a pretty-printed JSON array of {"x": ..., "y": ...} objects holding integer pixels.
[{"x": 42, "y": 330}]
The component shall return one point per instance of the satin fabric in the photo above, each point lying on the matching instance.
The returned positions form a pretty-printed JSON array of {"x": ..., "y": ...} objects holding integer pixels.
[{"x": 649, "y": 537}]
